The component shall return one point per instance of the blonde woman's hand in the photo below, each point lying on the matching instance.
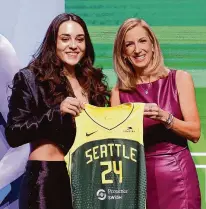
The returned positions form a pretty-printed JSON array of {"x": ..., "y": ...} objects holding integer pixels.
[
  {"x": 153, "y": 111},
  {"x": 71, "y": 106}
]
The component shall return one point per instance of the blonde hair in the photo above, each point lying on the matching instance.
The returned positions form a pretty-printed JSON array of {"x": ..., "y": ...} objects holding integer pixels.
[{"x": 127, "y": 77}]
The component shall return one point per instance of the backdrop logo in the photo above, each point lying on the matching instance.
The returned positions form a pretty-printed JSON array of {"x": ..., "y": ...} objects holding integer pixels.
[{"x": 101, "y": 194}]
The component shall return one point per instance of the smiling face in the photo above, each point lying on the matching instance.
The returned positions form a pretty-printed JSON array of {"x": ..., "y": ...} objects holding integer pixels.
[
  {"x": 138, "y": 48},
  {"x": 70, "y": 43}
]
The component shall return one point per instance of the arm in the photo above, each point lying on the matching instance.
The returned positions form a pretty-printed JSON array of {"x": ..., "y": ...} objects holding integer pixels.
[
  {"x": 23, "y": 125},
  {"x": 115, "y": 100},
  {"x": 189, "y": 127}
]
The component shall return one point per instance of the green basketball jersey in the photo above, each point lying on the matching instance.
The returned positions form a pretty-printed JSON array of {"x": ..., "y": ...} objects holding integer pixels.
[{"x": 106, "y": 163}]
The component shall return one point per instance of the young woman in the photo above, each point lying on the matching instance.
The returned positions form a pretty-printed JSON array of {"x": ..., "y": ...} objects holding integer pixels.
[{"x": 46, "y": 95}]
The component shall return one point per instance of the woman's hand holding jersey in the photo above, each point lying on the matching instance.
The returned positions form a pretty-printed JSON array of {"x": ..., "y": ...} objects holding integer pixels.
[
  {"x": 153, "y": 111},
  {"x": 72, "y": 106}
]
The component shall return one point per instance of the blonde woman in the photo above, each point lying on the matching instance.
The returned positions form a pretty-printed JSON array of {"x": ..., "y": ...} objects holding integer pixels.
[{"x": 171, "y": 115}]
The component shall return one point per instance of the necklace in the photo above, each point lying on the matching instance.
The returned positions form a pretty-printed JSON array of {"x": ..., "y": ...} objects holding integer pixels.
[{"x": 146, "y": 90}]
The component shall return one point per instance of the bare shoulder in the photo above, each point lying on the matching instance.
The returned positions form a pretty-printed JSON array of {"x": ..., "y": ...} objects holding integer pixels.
[
  {"x": 182, "y": 76},
  {"x": 184, "y": 82},
  {"x": 115, "y": 90},
  {"x": 115, "y": 100}
]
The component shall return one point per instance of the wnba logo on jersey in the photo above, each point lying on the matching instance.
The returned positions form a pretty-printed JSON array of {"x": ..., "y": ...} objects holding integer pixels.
[
  {"x": 129, "y": 129},
  {"x": 101, "y": 194}
]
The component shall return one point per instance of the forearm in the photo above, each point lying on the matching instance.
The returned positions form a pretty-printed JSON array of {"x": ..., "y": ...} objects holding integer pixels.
[
  {"x": 187, "y": 129},
  {"x": 21, "y": 131}
]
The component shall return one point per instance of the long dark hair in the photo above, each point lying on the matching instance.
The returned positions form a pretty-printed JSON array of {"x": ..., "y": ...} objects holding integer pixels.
[{"x": 49, "y": 68}]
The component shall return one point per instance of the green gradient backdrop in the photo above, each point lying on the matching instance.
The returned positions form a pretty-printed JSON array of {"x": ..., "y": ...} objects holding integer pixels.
[{"x": 181, "y": 29}]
